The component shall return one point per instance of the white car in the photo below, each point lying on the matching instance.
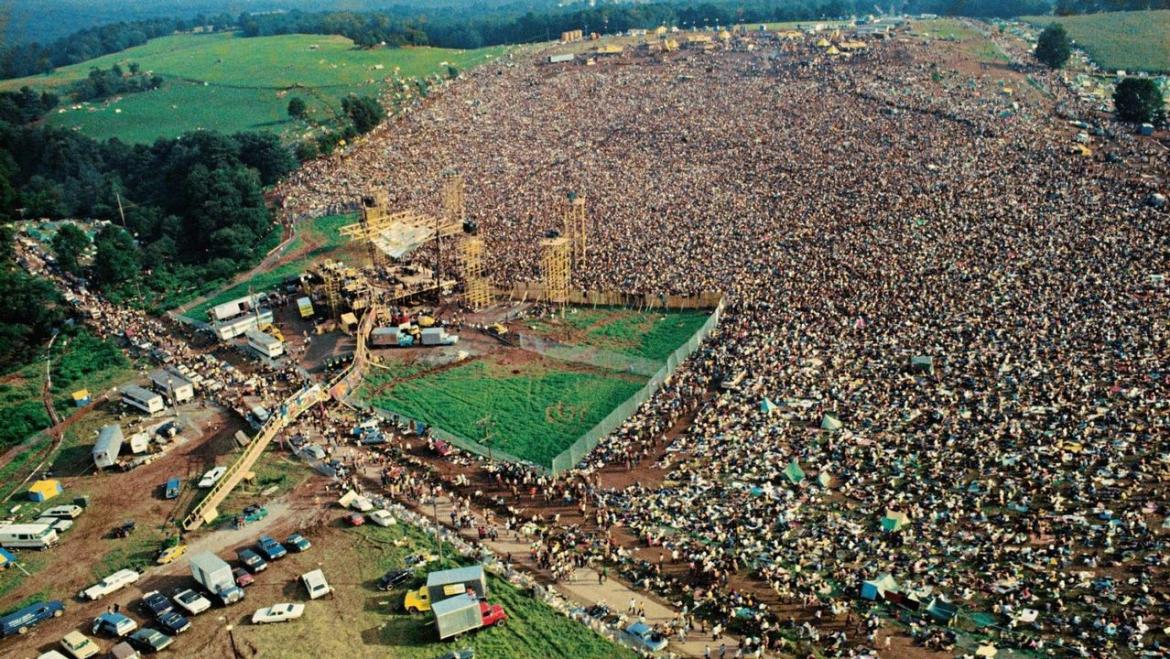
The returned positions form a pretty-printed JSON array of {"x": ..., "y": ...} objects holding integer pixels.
[
  {"x": 362, "y": 504},
  {"x": 382, "y": 518},
  {"x": 192, "y": 602},
  {"x": 210, "y": 478},
  {"x": 112, "y": 583},
  {"x": 278, "y": 613},
  {"x": 67, "y": 511}
]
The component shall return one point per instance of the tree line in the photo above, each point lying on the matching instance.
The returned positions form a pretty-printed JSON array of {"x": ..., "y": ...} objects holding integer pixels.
[
  {"x": 1072, "y": 7},
  {"x": 103, "y": 83}
]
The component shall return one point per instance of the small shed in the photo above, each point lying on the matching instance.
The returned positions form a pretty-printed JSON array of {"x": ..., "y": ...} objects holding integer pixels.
[
  {"x": 894, "y": 520},
  {"x": 108, "y": 445},
  {"x": 81, "y": 397},
  {"x": 447, "y": 583},
  {"x": 44, "y": 490}
]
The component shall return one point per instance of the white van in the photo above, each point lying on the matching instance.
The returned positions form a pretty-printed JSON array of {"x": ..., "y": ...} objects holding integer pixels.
[{"x": 28, "y": 536}]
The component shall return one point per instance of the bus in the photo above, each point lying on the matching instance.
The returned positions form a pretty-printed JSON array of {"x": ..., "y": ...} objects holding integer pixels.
[{"x": 28, "y": 536}]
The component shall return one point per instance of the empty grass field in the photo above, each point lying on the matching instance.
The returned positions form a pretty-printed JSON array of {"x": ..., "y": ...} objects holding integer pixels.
[
  {"x": 315, "y": 239},
  {"x": 1126, "y": 40},
  {"x": 529, "y": 406},
  {"x": 229, "y": 83},
  {"x": 645, "y": 335}
]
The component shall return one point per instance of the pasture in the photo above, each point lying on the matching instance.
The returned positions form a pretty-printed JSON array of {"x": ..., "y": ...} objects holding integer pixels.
[
  {"x": 230, "y": 84},
  {"x": 1126, "y": 40}
]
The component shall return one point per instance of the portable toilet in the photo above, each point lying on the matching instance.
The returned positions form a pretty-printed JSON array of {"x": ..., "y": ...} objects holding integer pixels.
[
  {"x": 44, "y": 490},
  {"x": 81, "y": 398}
]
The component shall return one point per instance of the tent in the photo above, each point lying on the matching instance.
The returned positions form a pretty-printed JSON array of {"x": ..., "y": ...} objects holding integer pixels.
[
  {"x": 823, "y": 43},
  {"x": 831, "y": 423},
  {"x": 6, "y": 559},
  {"x": 794, "y": 473},
  {"x": 44, "y": 490},
  {"x": 824, "y": 479},
  {"x": 922, "y": 364},
  {"x": 767, "y": 406},
  {"x": 833, "y": 50},
  {"x": 894, "y": 520},
  {"x": 875, "y": 589},
  {"x": 986, "y": 651}
]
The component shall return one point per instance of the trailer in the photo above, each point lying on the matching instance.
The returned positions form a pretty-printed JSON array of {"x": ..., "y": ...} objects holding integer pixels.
[
  {"x": 456, "y": 615},
  {"x": 445, "y": 583},
  {"x": 215, "y": 575},
  {"x": 265, "y": 344},
  {"x": 437, "y": 336},
  {"x": 142, "y": 399},
  {"x": 172, "y": 384},
  {"x": 109, "y": 443}
]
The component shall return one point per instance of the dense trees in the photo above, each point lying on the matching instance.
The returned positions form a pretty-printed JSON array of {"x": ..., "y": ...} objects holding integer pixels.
[
  {"x": 1070, "y": 7},
  {"x": 25, "y": 105},
  {"x": 296, "y": 107},
  {"x": 365, "y": 112},
  {"x": 1053, "y": 47},
  {"x": 103, "y": 83},
  {"x": 1139, "y": 100}
]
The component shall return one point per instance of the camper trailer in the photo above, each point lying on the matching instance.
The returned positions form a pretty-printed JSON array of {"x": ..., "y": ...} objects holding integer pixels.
[
  {"x": 265, "y": 344},
  {"x": 28, "y": 536},
  {"x": 142, "y": 399},
  {"x": 109, "y": 443}
]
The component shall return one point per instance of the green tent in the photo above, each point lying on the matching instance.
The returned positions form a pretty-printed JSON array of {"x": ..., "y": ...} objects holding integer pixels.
[
  {"x": 767, "y": 406},
  {"x": 894, "y": 520},
  {"x": 794, "y": 473}
]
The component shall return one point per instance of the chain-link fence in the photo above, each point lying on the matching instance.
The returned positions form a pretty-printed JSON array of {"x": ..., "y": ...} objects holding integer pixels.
[{"x": 587, "y": 442}]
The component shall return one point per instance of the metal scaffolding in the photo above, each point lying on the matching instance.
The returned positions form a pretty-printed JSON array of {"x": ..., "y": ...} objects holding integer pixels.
[
  {"x": 477, "y": 291},
  {"x": 375, "y": 219},
  {"x": 555, "y": 262},
  {"x": 576, "y": 229}
]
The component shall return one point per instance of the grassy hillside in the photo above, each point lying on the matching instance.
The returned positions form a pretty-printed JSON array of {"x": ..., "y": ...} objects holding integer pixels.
[
  {"x": 1128, "y": 40},
  {"x": 229, "y": 83}
]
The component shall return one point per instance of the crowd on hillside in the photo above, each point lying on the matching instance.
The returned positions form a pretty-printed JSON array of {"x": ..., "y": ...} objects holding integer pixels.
[{"x": 952, "y": 328}]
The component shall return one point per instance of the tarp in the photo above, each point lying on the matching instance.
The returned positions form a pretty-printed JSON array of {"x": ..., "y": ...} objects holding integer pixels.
[
  {"x": 6, "y": 558},
  {"x": 44, "y": 490},
  {"x": 767, "y": 406},
  {"x": 831, "y": 423}
]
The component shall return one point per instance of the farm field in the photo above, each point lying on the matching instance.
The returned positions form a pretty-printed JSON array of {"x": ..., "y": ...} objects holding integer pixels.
[
  {"x": 1126, "y": 40},
  {"x": 230, "y": 84},
  {"x": 375, "y": 622},
  {"x": 530, "y": 406},
  {"x": 315, "y": 239}
]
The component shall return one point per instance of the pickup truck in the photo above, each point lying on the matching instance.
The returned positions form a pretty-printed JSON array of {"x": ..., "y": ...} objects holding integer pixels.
[{"x": 110, "y": 584}]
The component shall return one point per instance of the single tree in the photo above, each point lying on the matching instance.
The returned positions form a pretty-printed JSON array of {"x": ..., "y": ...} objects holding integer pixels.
[
  {"x": 1053, "y": 47},
  {"x": 68, "y": 245},
  {"x": 365, "y": 112},
  {"x": 296, "y": 107},
  {"x": 1139, "y": 100},
  {"x": 117, "y": 258}
]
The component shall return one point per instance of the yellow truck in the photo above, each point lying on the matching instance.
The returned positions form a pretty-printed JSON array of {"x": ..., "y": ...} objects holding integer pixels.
[{"x": 418, "y": 601}]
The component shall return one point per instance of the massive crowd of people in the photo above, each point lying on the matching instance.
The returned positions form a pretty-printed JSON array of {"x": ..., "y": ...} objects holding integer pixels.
[{"x": 858, "y": 214}]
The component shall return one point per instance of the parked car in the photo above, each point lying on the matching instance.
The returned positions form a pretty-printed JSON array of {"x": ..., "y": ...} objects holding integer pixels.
[
  {"x": 252, "y": 560},
  {"x": 150, "y": 640},
  {"x": 192, "y": 602},
  {"x": 174, "y": 623},
  {"x": 21, "y": 620},
  {"x": 271, "y": 549},
  {"x": 298, "y": 542},
  {"x": 278, "y": 613},
  {"x": 172, "y": 488},
  {"x": 67, "y": 511},
  {"x": 243, "y": 577},
  {"x": 79, "y": 646},
  {"x": 355, "y": 519},
  {"x": 211, "y": 477},
  {"x": 113, "y": 624},
  {"x": 124, "y": 650},
  {"x": 315, "y": 584},
  {"x": 112, "y": 583},
  {"x": 382, "y": 518},
  {"x": 393, "y": 578},
  {"x": 155, "y": 603},
  {"x": 644, "y": 638},
  {"x": 170, "y": 554}
]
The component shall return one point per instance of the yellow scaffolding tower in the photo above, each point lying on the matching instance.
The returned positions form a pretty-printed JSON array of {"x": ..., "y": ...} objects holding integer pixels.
[
  {"x": 555, "y": 261},
  {"x": 575, "y": 228},
  {"x": 477, "y": 292},
  {"x": 332, "y": 289},
  {"x": 376, "y": 218}
]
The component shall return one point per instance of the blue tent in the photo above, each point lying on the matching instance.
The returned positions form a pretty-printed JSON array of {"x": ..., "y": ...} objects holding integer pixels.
[
  {"x": 767, "y": 406},
  {"x": 875, "y": 589}
]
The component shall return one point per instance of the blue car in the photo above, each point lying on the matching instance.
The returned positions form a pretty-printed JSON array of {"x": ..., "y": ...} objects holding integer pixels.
[
  {"x": 644, "y": 638},
  {"x": 21, "y": 620},
  {"x": 172, "y": 488},
  {"x": 298, "y": 542},
  {"x": 270, "y": 548}
]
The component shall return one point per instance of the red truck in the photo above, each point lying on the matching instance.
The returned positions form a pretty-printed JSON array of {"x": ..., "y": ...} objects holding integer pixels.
[{"x": 493, "y": 614}]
